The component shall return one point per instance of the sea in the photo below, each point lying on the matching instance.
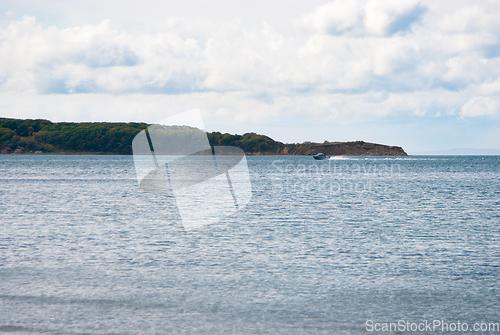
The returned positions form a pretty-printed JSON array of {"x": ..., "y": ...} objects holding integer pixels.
[{"x": 348, "y": 245}]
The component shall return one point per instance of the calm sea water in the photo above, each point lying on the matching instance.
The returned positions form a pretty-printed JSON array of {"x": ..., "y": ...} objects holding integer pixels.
[{"x": 322, "y": 248}]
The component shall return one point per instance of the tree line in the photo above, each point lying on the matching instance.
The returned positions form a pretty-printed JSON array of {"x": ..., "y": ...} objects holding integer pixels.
[
  {"x": 46, "y": 136},
  {"x": 105, "y": 137},
  {"x": 116, "y": 138}
]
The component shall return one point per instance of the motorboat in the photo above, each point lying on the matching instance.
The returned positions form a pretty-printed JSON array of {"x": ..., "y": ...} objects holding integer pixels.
[{"x": 320, "y": 156}]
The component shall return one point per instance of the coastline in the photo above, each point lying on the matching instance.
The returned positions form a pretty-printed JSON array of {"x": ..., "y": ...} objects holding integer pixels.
[{"x": 112, "y": 138}]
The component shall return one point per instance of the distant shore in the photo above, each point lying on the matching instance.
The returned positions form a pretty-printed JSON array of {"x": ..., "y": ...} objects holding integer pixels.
[{"x": 109, "y": 138}]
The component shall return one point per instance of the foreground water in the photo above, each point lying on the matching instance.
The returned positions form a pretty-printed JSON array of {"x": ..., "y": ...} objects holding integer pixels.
[{"x": 322, "y": 247}]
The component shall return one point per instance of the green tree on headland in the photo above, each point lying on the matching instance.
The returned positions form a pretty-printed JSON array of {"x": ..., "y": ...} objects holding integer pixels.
[
  {"x": 116, "y": 138},
  {"x": 99, "y": 137}
]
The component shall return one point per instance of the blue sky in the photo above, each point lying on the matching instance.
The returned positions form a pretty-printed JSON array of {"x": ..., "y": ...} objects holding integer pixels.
[{"x": 424, "y": 75}]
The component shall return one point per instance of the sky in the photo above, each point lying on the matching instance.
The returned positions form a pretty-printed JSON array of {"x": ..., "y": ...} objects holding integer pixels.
[{"x": 424, "y": 75}]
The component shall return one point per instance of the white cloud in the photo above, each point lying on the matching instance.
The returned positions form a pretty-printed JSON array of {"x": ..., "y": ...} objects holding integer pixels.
[
  {"x": 226, "y": 107},
  {"x": 359, "y": 59},
  {"x": 94, "y": 58},
  {"x": 480, "y": 106},
  {"x": 492, "y": 87},
  {"x": 363, "y": 17},
  {"x": 389, "y": 17},
  {"x": 478, "y": 17},
  {"x": 334, "y": 17}
]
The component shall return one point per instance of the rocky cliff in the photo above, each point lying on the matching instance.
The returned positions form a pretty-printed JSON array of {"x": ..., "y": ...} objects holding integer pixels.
[{"x": 358, "y": 148}]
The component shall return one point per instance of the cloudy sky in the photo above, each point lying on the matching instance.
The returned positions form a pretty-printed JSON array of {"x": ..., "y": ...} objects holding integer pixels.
[{"x": 424, "y": 75}]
